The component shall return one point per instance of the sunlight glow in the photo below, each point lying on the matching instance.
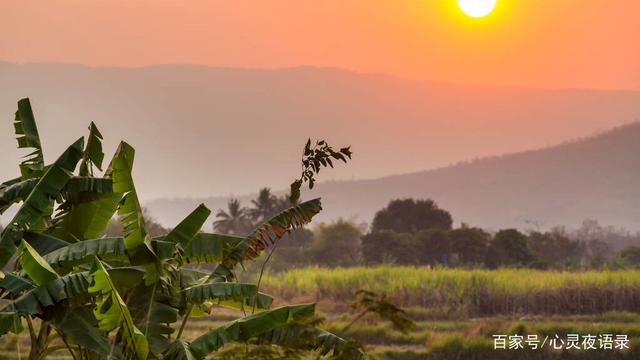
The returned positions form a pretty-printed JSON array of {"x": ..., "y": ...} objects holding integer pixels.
[{"x": 477, "y": 8}]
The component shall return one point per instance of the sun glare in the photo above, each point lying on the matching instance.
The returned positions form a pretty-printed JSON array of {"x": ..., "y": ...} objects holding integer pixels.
[{"x": 477, "y": 8}]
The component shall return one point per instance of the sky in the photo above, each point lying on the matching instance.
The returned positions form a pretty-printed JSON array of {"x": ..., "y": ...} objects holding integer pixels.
[{"x": 543, "y": 43}]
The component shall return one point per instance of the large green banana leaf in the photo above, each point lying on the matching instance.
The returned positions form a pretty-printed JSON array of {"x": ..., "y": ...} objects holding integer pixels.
[
  {"x": 248, "y": 327},
  {"x": 39, "y": 203},
  {"x": 136, "y": 239},
  {"x": 10, "y": 322},
  {"x": 152, "y": 315},
  {"x": 43, "y": 244},
  {"x": 83, "y": 252},
  {"x": 230, "y": 294},
  {"x": 303, "y": 337},
  {"x": 268, "y": 233},
  {"x": 35, "y": 301},
  {"x": 93, "y": 155},
  {"x": 112, "y": 312},
  {"x": 204, "y": 248},
  {"x": 209, "y": 248},
  {"x": 80, "y": 327},
  {"x": 189, "y": 227},
  {"x": 179, "y": 350},
  {"x": 28, "y": 138},
  {"x": 11, "y": 194},
  {"x": 35, "y": 265},
  {"x": 15, "y": 285}
]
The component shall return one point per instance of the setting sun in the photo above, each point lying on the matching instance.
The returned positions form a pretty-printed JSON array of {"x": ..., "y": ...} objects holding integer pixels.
[{"x": 477, "y": 8}]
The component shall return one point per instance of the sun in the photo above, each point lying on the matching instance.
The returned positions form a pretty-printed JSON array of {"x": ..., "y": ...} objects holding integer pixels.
[{"x": 477, "y": 8}]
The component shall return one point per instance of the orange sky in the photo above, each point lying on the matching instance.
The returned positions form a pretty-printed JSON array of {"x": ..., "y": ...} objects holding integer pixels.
[{"x": 542, "y": 43}]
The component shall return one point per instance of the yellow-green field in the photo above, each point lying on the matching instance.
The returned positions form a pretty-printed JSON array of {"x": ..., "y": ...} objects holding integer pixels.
[
  {"x": 456, "y": 311},
  {"x": 461, "y": 292}
]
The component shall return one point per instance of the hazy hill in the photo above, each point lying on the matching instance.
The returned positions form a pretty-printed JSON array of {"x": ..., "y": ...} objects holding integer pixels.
[
  {"x": 202, "y": 131},
  {"x": 597, "y": 177}
]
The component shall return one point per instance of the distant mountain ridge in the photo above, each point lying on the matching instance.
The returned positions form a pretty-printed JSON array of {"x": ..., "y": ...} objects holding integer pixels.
[
  {"x": 202, "y": 130},
  {"x": 596, "y": 177}
]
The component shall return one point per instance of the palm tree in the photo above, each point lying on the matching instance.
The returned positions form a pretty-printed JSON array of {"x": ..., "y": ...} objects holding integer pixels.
[
  {"x": 265, "y": 206},
  {"x": 234, "y": 221}
]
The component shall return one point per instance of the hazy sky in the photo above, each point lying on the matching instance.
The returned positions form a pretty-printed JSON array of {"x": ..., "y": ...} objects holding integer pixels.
[{"x": 542, "y": 43}]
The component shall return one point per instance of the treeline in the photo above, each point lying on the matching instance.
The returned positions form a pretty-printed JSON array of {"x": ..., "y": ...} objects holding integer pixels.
[{"x": 418, "y": 232}]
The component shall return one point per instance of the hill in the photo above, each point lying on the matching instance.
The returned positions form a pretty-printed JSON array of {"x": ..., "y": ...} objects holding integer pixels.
[
  {"x": 596, "y": 177},
  {"x": 203, "y": 131}
]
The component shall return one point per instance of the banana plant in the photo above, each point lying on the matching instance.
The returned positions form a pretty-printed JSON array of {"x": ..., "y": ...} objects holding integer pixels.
[{"x": 130, "y": 297}]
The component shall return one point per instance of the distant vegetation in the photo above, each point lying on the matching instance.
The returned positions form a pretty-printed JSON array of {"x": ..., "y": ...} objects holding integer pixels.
[{"x": 418, "y": 232}]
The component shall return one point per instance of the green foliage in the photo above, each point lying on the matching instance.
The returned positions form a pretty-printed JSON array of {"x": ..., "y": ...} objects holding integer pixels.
[
  {"x": 314, "y": 158},
  {"x": 335, "y": 244},
  {"x": 411, "y": 216},
  {"x": 124, "y": 297}
]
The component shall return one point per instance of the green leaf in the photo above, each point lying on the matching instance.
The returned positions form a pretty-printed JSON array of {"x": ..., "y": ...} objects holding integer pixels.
[
  {"x": 39, "y": 204},
  {"x": 299, "y": 336},
  {"x": 35, "y": 265},
  {"x": 208, "y": 248},
  {"x": 231, "y": 294},
  {"x": 10, "y": 322},
  {"x": 83, "y": 252},
  {"x": 136, "y": 239},
  {"x": 66, "y": 287},
  {"x": 249, "y": 327},
  {"x": 93, "y": 155},
  {"x": 268, "y": 233},
  {"x": 11, "y": 194},
  {"x": 112, "y": 312},
  {"x": 28, "y": 138},
  {"x": 189, "y": 227},
  {"x": 179, "y": 350},
  {"x": 15, "y": 284},
  {"x": 79, "y": 324},
  {"x": 152, "y": 315},
  {"x": 42, "y": 243}
]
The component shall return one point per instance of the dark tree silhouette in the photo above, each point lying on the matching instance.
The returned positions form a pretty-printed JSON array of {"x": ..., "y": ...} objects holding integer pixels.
[{"x": 411, "y": 216}]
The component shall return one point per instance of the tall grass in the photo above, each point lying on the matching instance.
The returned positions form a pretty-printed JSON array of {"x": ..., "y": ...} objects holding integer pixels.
[{"x": 472, "y": 292}]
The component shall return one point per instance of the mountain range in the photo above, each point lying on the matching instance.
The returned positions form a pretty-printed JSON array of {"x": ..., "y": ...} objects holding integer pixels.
[
  {"x": 596, "y": 177},
  {"x": 205, "y": 133}
]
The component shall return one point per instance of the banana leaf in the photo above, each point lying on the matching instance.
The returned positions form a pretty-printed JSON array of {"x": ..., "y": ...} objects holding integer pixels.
[
  {"x": 35, "y": 265},
  {"x": 248, "y": 327},
  {"x": 36, "y": 300},
  {"x": 265, "y": 235},
  {"x": 39, "y": 203},
  {"x": 112, "y": 312},
  {"x": 10, "y": 322},
  {"x": 233, "y": 295},
  {"x": 11, "y": 194},
  {"x": 136, "y": 239},
  {"x": 93, "y": 155},
  {"x": 28, "y": 138}
]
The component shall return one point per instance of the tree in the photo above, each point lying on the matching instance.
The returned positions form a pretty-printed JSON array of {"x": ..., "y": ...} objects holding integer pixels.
[
  {"x": 234, "y": 221},
  {"x": 433, "y": 246},
  {"x": 470, "y": 244},
  {"x": 335, "y": 244},
  {"x": 264, "y": 206},
  {"x": 630, "y": 256},
  {"x": 411, "y": 216},
  {"x": 129, "y": 297},
  {"x": 509, "y": 248},
  {"x": 387, "y": 246},
  {"x": 554, "y": 249}
]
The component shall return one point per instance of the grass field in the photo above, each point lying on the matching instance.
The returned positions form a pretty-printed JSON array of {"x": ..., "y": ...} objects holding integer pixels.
[
  {"x": 456, "y": 311},
  {"x": 464, "y": 293}
]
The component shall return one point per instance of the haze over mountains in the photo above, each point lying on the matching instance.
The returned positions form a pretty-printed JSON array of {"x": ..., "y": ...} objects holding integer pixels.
[
  {"x": 202, "y": 132},
  {"x": 594, "y": 178}
]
